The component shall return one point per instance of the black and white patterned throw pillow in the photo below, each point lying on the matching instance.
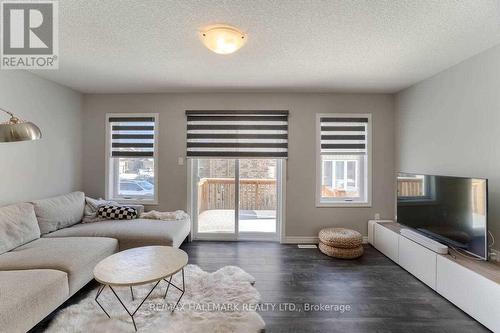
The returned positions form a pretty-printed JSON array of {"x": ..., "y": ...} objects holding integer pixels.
[{"x": 110, "y": 212}]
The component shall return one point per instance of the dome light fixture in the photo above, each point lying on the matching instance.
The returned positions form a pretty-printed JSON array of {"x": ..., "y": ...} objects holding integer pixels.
[{"x": 222, "y": 38}]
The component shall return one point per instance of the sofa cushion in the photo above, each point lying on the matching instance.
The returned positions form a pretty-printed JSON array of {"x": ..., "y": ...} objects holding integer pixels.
[
  {"x": 132, "y": 233},
  {"x": 77, "y": 256},
  {"x": 28, "y": 296},
  {"x": 18, "y": 226},
  {"x": 59, "y": 212}
]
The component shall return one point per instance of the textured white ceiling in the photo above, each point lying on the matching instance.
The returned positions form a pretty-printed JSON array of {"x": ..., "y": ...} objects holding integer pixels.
[{"x": 296, "y": 45}]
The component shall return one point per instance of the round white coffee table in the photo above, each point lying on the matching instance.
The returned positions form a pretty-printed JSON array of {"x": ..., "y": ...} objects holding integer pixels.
[{"x": 140, "y": 266}]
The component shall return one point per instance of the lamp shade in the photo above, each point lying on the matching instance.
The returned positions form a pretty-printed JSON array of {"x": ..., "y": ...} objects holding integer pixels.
[{"x": 19, "y": 131}]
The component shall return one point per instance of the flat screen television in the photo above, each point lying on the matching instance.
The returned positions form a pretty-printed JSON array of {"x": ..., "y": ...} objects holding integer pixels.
[{"x": 450, "y": 210}]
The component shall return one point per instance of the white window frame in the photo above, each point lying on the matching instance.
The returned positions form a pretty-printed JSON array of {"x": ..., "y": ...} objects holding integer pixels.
[
  {"x": 366, "y": 178},
  {"x": 110, "y": 181},
  {"x": 345, "y": 179}
]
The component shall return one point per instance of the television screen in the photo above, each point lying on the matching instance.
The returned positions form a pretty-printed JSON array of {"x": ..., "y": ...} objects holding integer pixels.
[{"x": 451, "y": 210}]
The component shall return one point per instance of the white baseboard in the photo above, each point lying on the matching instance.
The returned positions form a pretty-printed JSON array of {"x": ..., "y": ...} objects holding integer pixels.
[{"x": 308, "y": 240}]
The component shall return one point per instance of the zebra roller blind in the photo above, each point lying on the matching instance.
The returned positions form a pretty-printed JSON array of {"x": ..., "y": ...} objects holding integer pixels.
[
  {"x": 238, "y": 134},
  {"x": 132, "y": 136},
  {"x": 344, "y": 135}
]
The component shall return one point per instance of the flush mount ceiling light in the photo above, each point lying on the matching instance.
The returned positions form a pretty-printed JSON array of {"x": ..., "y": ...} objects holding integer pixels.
[{"x": 223, "y": 39}]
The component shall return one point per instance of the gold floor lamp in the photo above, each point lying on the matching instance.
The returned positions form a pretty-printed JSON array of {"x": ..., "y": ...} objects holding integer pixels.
[{"x": 16, "y": 129}]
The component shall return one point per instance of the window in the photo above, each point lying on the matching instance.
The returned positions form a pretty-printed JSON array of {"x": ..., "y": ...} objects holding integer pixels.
[
  {"x": 131, "y": 157},
  {"x": 340, "y": 174},
  {"x": 343, "y": 160}
]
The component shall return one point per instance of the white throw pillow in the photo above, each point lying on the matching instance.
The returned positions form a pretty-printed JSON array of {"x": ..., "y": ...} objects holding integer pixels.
[{"x": 18, "y": 226}]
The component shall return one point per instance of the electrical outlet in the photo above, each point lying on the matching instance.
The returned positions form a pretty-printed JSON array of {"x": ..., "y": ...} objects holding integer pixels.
[
  {"x": 180, "y": 160},
  {"x": 377, "y": 216}
]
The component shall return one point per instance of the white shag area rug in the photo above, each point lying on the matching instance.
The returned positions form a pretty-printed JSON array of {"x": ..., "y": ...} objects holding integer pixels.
[{"x": 222, "y": 301}]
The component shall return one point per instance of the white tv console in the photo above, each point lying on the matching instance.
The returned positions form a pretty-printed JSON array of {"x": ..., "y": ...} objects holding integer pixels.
[{"x": 471, "y": 285}]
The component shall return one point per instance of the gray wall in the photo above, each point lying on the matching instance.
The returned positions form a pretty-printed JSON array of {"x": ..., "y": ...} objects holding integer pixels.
[
  {"x": 52, "y": 165},
  {"x": 449, "y": 125},
  {"x": 303, "y": 218}
]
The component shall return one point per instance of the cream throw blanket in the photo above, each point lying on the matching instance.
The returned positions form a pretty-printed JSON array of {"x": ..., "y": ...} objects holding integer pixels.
[{"x": 165, "y": 216}]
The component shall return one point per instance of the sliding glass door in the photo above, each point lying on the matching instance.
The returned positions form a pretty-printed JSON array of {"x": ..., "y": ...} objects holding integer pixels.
[
  {"x": 236, "y": 161},
  {"x": 216, "y": 194},
  {"x": 236, "y": 198},
  {"x": 258, "y": 196}
]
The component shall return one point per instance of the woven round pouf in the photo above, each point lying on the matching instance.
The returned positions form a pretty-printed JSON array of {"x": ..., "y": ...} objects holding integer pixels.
[
  {"x": 341, "y": 253},
  {"x": 340, "y": 238}
]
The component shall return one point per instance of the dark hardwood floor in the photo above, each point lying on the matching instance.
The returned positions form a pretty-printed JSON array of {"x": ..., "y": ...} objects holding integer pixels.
[{"x": 382, "y": 296}]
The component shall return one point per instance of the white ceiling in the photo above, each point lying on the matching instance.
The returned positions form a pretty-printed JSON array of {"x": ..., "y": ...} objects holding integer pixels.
[{"x": 296, "y": 45}]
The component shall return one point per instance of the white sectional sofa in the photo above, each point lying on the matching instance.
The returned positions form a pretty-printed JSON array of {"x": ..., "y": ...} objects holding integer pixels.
[{"x": 47, "y": 254}]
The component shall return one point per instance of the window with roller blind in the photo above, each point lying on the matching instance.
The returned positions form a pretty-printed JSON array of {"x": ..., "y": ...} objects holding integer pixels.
[
  {"x": 131, "y": 157},
  {"x": 343, "y": 146}
]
